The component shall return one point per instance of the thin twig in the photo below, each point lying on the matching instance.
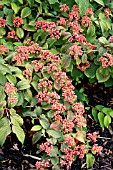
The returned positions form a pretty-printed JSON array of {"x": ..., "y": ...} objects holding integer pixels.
[
  {"x": 103, "y": 138},
  {"x": 34, "y": 157}
]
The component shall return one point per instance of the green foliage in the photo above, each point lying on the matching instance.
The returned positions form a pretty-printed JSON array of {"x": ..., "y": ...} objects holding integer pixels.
[
  {"x": 103, "y": 115},
  {"x": 44, "y": 52},
  {"x": 90, "y": 159}
]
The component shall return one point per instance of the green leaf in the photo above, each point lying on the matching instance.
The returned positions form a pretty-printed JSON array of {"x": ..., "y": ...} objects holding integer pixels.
[
  {"x": 2, "y": 32},
  {"x": 90, "y": 159},
  {"x": 83, "y": 5},
  {"x": 102, "y": 74},
  {"x": 101, "y": 119},
  {"x": 54, "y": 152},
  {"x": 4, "y": 69},
  {"x": 3, "y": 79},
  {"x": 20, "y": 32},
  {"x": 28, "y": 95},
  {"x": 103, "y": 40},
  {"x": 106, "y": 110},
  {"x": 15, "y": 7},
  {"x": 56, "y": 167},
  {"x": 54, "y": 133},
  {"x": 101, "y": 2},
  {"x": 36, "y": 128},
  {"x": 104, "y": 26},
  {"x": 5, "y": 130},
  {"x": 76, "y": 73},
  {"x": 15, "y": 118},
  {"x": 29, "y": 27},
  {"x": 57, "y": 125},
  {"x": 54, "y": 161},
  {"x": 25, "y": 12},
  {"x": 36, "y": 137},
  {"x": 66, "y": 60},
  {"x": 81, "y": 136},
  {"x": 20, "y": 97},
  {"x": 21, "y": 1},
  {"x": 84, "y": 58},
  {"x": 111, "y": 113},
  {"x": 107, "y": 120},
  {"x": 38, "y": 1},
  {"x": 31, "y": 3},
  {"x": 22, "y": 85},
  {"x": 57, "y": 86},
  {"x": 90, "y": 72},
  {"x": 18, "y": 132},
  {"x": 53, "y": 1},
  {"x": 44, "y": 123},
  {"x": 11, "y": 79},
  {"x": 109, "y": 82},
  {"x": 91, "y": 30},
  {"x": 95, "y": 114},
  {"x": 99, "y": 107},
  {"x": 9, "y": 19},
  {"x": 38, "y": 111}
]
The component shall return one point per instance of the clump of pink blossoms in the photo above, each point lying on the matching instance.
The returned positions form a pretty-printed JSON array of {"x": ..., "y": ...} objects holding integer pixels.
[
  {"x": 64, "y": 7},
  {"x": 106, "y": 60},
  {"x": 17, "y": 21},
  {"x": 3, "y": 49},
  {"x": 2, "y": 22},
  {"x": 10, "y": 89}
]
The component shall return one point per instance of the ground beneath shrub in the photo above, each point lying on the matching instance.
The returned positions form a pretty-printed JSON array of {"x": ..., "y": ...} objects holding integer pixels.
[{"x": 13, "y": 156}]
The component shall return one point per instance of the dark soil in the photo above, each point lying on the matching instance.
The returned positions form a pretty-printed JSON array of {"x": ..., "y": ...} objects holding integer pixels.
[{"x": 14, "y": 156}]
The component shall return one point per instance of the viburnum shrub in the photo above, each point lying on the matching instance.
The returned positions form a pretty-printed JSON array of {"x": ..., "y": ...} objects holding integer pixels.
[{"x": 46, "y": 47}]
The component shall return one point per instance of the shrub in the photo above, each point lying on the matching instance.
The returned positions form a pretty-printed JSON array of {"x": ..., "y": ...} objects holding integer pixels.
[{"x": 46, "y": 48}]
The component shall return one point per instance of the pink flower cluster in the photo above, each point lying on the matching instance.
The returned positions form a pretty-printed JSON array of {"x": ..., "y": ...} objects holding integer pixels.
[
  {"x": 89, "y": 11},
  {"x": 51, "y": 67},
  {"x": 78, "y": 116},
  {"x": 86, "y": 21},
  {"x": 64, "y": 7},
  {"x": 48, "y": 97},
  {"x": 17, "y": 21},
  {"x": 74, "y": 15},
  {"x": 38, "y": 66},
  {"x": 48, "y": 56},
  {"x": 24, "y": 51},
  {"x": 76, "y": 29},
  {"x": 28, "y": 74},
  {"x": 61, "y": 21},
  {"x": 80, "y": 151},
  {"x": 107, "y": 60},
  {"x": 66, "y": 85},
  {"x": 107, "y": 12},
  {"x": 84, "y": 66},
  {"x": 111, "y": 39},
  {"x": 97, "y": 149},
  {"x": 75, "y": 51},
  {"x": 10, "y": 90},
  {"x": 47, "y": 147},
  {"x": 68, "y": 125},
  {"x": 12, "y": 35},
  {"x": 2, "y": 22},
  {"x": 3, "y": 49},
  {"x": 49, "y": 27},
  {"x": 41, "y": 165},
  {"x": 79, "y": 108},
  {"x": 70, "y": 153},
  {"x": 92, "y": 136},
  {"x": 45, "y": 84},
  {"x": 69, "y": 140}
]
